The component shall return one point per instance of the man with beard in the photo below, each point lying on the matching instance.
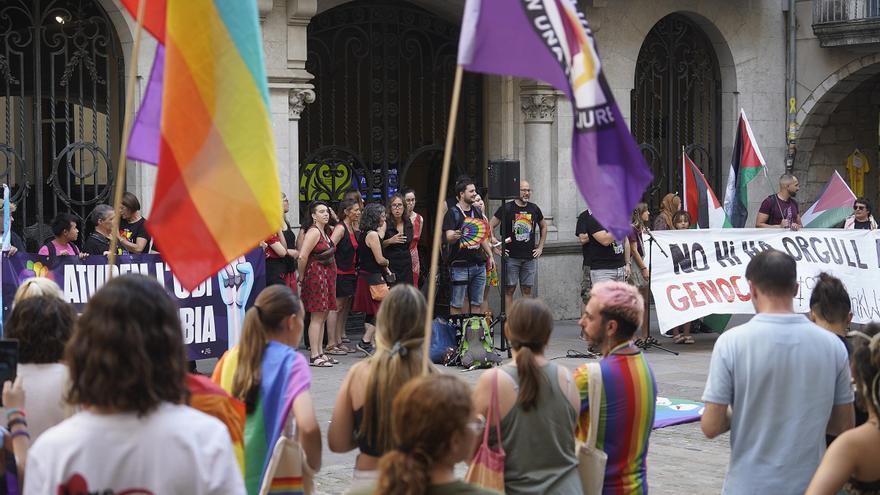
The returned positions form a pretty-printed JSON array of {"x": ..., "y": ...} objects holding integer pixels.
[
  {"x": 780, "y": 210},
  {"x": 467, "y": 261}
]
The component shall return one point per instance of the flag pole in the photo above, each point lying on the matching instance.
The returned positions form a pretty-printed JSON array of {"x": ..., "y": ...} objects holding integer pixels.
[
  {"x": 126, "y": 131},
  {"x": 438, "y": 220}
]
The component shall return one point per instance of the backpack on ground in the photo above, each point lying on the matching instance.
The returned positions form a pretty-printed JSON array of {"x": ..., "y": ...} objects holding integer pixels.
[
  {"x": 442, "y": 341},
  {"x": 477, "y": 348}
]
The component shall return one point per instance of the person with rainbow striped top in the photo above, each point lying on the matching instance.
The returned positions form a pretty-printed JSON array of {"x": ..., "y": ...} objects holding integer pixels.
[{"x": 629, "y": 391}]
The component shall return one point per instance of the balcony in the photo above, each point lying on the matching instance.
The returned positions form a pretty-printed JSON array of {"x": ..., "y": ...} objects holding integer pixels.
[{"x": 849, "y": 23}]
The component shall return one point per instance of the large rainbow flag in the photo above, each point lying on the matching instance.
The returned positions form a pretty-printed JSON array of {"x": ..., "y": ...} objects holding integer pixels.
[
  {"x": 217, "y": 191},
  {"x": 285, "y": 375},
  {"x": 208, "y": 397}
]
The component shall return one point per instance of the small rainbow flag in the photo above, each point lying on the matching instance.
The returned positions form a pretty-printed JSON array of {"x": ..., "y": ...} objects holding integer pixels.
[
  {"x": 285, "y": 375},
  {"x": 208, "y": 397},
  {"x": 217, "y": 191}
]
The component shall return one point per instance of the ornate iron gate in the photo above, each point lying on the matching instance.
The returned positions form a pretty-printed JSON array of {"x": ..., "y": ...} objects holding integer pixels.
[
  {"x": 676, "y": 104},
  {"x": 383, "y": 77},
  {"x": 60, "y": 108}
]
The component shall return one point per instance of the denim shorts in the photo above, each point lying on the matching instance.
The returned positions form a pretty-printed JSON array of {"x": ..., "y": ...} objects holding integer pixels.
[
  {"x": 521, "y": 272},
  {"x": 467, "y": 280}
]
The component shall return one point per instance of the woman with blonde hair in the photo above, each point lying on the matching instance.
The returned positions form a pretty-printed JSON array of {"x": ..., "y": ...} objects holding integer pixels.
[
  {"x": 538, "y": 405},
  {"x": 362, "y": 413},
  {"x": 36, "y": 286},
  {"x": 272, "y": 379},
  {"x": 434, "y": 427}
]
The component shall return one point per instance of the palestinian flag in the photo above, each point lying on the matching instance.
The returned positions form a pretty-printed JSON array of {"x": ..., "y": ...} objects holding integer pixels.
[
  {"x": 698, "y": 198},
  {"x": 833, "y": 206},
  {"x": 745, "y": 164}
]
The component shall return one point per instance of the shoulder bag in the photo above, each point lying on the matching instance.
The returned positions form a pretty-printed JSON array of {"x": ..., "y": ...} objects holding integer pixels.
[
  {"x": 487, "y": 467},
  {"x": 288, "y": 472},
  {"x": 592, "y": 461}
]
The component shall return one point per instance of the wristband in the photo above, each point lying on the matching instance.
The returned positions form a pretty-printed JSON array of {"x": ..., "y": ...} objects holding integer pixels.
[
  {"x": 16, "y": 421},
  {"x": 14, "y": 410},
  {"x": 20, "y": 433}
]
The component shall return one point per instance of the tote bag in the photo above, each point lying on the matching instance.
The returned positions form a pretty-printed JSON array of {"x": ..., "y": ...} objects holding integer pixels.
[
  {"x": 288, "y": 472},
  {"x": 592, "y": 461},
  {"x": 487, "y": 467}
]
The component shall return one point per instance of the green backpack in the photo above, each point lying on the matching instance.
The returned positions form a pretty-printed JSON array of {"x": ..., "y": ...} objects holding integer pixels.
[{"x": 477, "y": 346}]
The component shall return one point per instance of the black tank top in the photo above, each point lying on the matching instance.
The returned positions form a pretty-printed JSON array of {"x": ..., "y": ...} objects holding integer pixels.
[
  {"x": 366, "y": 259},
  {"x": 345, "y": 252}
]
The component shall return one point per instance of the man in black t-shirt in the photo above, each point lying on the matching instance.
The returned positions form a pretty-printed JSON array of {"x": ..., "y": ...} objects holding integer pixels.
[
  {"x": 584, "y": 239},
  {"x": 467, "y": 263},
  {"x": 609, "y": 258},
  {"x": 518, "y": 220}
]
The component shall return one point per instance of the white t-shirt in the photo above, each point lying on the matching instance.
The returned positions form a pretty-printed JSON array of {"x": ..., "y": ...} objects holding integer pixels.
[
  {"x": 44, "y": 388},
  {"x": 782, "y": 375},
  {"x": 173, "y": 450}
]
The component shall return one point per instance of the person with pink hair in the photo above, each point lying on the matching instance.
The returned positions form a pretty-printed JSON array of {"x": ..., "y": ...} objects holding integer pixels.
[{"x": 629, "y": 391}]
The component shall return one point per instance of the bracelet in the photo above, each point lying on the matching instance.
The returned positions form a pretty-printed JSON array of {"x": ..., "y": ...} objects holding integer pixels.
[
  {"x": 20, "y": 433},
  {"x": 14, "y": 410},
  {"x": 16, "y": 421}
]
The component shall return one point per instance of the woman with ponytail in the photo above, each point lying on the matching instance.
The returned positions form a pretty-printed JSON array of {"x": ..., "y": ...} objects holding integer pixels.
[
  {"x": 362, "y": 413},
  {"x": 538, "y": 404},
  {"x": 434, "y": 427},
  {"x": 272, "y": 379},
  {"x": 852, "y": 461}
]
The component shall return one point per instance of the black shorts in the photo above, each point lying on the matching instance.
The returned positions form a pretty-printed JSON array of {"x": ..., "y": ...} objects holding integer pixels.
[{"x": 345, "y": 285}]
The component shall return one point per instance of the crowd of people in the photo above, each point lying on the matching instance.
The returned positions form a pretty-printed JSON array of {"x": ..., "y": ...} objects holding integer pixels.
[{"x": 103, "y": 401}]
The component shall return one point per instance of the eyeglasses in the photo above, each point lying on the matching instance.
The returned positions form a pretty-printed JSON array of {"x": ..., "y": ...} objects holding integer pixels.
[
  {"x": 525, "y": 190},
  {"x": 397, "y": 205},
  {"x": 477, "y": 425},
  {"x": 860, "y": 207}
]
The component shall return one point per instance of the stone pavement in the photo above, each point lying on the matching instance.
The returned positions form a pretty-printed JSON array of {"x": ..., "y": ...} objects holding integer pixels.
[{"x": 680, "y": 459}]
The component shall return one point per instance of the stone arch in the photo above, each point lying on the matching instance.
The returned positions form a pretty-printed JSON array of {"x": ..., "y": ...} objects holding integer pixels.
[{"x": 839, "y": 96}]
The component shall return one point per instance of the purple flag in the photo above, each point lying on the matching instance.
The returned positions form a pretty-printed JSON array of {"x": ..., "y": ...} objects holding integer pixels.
[
  {"x": 145, "y": 136},
  {"x": 551, "y": 41}
]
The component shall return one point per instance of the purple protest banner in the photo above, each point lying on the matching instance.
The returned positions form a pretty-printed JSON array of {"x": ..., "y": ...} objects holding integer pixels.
[
  {"x": 550, "y": 40},
  {"x": 211, "y": 315}
]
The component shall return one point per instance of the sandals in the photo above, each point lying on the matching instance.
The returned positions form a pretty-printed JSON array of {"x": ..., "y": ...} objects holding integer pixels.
[
  {"x": 678, "y": 339},
  {"x": 329, "y": 359},
  {"x": 335, "y": 351},
  {"x": 346, "y": 340},
  {"x": 689, "y": 340},
  {"x": 320, "y": 362}
]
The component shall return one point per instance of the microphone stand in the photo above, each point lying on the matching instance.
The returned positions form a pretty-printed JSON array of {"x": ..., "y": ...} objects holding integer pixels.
[{"x": 650, "y": 342}]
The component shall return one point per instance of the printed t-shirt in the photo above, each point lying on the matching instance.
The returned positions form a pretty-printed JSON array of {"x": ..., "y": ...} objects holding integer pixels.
[
  {"x": 777, "y": 210},
  {"x": 626, "y": 417},
  {"x": 462, "y": 256},
  {"x": 521, "y": 224},
  {"x": 602, "y": 257},
  {"x": 782, "y": 375},
  {"x": 173, "y": 449},
  {"x": 131, "y": 231},
  {"x": 866, "y": 225}
]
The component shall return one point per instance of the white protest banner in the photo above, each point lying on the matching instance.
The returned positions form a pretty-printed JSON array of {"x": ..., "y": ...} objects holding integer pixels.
[{"x": 703, "y": 271}]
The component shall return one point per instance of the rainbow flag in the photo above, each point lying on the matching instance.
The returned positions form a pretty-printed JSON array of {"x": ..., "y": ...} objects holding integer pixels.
[
  {"x": 285, "y": 375},
  {"x": 835, "y": 203},
  {"x": 217, "y": 191},
  {"x": 209, "y": 398}
]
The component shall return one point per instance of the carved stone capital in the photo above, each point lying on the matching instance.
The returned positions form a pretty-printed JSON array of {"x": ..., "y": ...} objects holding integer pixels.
[
  {"x": 297, "y": 102},
  {"x": 264, "y": 7},
  {"x": 539, "y": 108}
]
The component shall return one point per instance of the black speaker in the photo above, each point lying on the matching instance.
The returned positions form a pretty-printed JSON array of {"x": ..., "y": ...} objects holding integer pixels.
[{"x": 503, "y": 179}]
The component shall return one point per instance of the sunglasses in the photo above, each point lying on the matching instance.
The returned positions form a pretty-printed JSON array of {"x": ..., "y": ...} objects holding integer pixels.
[{"x": 860, "y": 207}]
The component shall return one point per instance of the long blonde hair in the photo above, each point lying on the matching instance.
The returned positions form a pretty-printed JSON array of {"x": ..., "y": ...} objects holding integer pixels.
[
  {"x": 400, "y": 327},
  {"x": 263, "y": 319}
]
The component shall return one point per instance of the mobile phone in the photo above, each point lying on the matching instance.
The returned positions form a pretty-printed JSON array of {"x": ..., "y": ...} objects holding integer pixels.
[{"x": 8, "y": 361}]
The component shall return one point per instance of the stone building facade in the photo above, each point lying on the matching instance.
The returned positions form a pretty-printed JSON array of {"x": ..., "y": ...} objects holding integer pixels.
[{"x": 680, "y": 70}]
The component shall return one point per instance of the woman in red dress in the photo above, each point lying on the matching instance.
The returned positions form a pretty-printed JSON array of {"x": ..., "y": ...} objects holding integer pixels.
[
  {"x": 317, "y": 275},
  {"x": 409, "y": 197}
]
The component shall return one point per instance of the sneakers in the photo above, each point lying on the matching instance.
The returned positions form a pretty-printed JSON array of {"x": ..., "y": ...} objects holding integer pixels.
[{"x": 366, "y": 347}]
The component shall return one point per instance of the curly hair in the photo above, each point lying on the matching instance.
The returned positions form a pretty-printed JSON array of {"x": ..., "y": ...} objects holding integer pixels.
[
  {"x": 371, "y": 217},
  {"x": 127, "y": 353},
  {"x": 426, "y": 413},
  {"x": 42, "y": 325}
]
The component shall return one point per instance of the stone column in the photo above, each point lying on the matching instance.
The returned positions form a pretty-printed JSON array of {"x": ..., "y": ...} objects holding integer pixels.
[
  {"x": 538, "y": 103},
  {"x": 298, "y": 99}
]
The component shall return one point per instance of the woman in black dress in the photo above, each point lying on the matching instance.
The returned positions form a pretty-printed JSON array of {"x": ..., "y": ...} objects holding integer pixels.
[
  {"x": 395, "y": 244},
  {"x": 345, "y": 237}
]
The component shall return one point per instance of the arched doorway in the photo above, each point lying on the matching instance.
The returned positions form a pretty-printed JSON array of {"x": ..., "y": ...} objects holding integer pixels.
[
  {"x": 60, "y": 108},
  {"x": 383, "y": 80},
  {"x": 676, "y": 103}
]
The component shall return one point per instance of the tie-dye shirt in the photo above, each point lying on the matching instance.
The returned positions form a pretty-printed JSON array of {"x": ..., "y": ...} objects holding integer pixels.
[{"x": 629, "y": 396}]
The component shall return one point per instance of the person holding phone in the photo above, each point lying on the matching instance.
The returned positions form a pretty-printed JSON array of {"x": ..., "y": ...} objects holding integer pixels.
[{"x": 395, "y": 244}]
